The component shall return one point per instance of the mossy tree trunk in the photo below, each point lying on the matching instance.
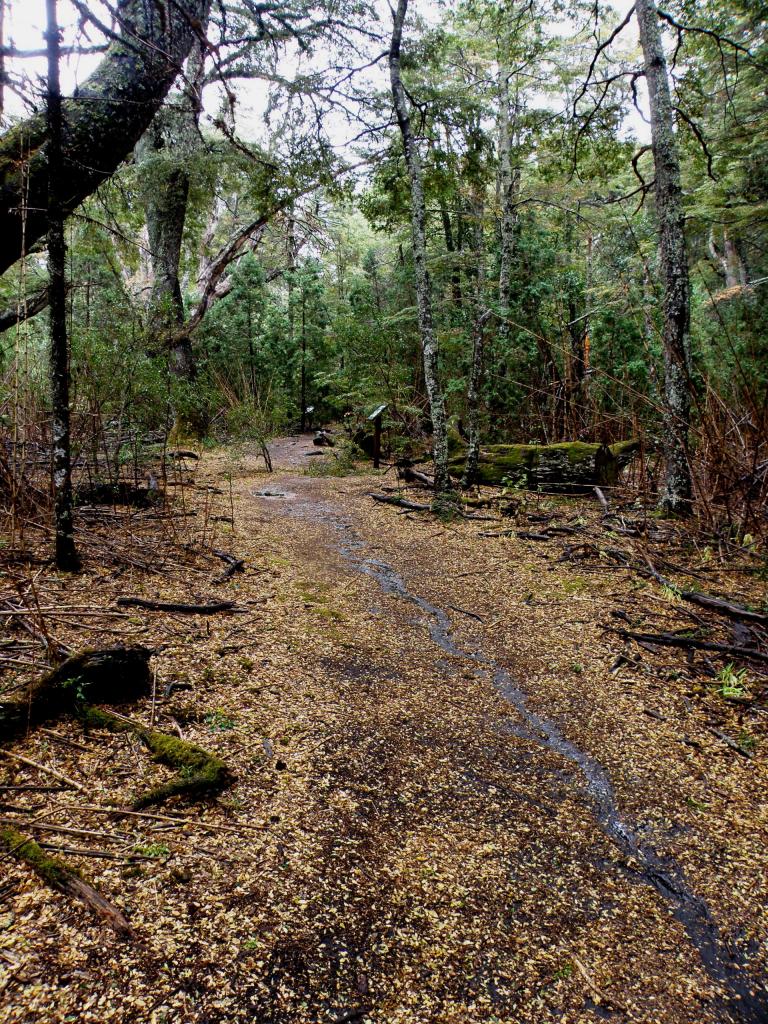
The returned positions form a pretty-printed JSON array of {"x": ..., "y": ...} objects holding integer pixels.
[
  {"x": 421, "y": 273},
  {"x": 566, "y": 466},
  {"x": 102, "y": 123},
  {"x": 677, "y": 492}
]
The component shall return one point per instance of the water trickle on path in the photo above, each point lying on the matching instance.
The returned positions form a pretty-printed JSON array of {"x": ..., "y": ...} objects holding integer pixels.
[{"x": 742, "y": 1002}]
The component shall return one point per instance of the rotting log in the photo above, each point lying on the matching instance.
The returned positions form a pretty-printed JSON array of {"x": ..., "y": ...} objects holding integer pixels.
[
  {"x": 56, "y": 873},
  {"x": 200, "y": 773},
  {"x": 115, "y": 675},
  {"x": 571, "y": 466}
]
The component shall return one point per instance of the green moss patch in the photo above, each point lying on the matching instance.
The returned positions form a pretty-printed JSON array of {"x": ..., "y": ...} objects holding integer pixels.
[
  {"x": 568, "y": 465},
  {"x": 51, "y": 869},
  {"x": 200, "y": 773}
]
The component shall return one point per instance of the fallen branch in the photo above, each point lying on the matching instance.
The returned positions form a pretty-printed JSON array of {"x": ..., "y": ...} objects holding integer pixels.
[
  {"x": 175, "y": 819},
  {"x": 463, "y": 611},
  {"x": 60, "y": 876},
  {"x": 691, "y": 643},
  {"x": 413, "y": 476},
  {"x": 42, "y": 768},
  {"x": 233, "y": 565},
  {"x": 44, "y": 826},
  {"x": 209, "y": 608},
  {"x": 79, "y": 851},
  {"x": 715, "y": 604},
  {"x": 731, "y": 743},
  {"x": 412, "y": 506}
]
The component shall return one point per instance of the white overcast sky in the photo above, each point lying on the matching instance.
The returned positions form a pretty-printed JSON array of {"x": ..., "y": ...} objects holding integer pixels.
[{"x": 25, "y": 24}]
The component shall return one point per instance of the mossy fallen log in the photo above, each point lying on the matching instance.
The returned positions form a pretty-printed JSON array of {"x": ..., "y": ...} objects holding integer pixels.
[
  {"x": 115, "y": 675},
  {"x": 200, "y": 773},
  {"x": 59, "y": 875},
  {"x": 568, "y": 466}
]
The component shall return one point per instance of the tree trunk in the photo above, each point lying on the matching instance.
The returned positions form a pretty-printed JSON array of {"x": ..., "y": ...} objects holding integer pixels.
[
  {"x": 2, "y": 58},
  {"x": 509, "y": 181},
  {"x": 164, "y": 151},
  {"x": 575, "y": 394},
  {"x": 479, "y": 316},
  {"x": 303, "y": 359},
  {"x": 290, "y": 276},
  {"x": 102, "y": 122},
  {"x": 450, "y": 248},
  {"x": 165, "y": 206},
  {"x": 677, "y": 491},
  {"x": 66, "y": 554},
  {"x": 423, "y": 283}
]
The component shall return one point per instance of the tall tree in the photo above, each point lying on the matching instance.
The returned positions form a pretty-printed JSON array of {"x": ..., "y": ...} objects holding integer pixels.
[
  {"x": 673, "y": 257},
  {"x": 102, "y": 122},
  {"x": 476, "y": 210},
  {"x": 422, "y": 279},
  {"x": 509, "y": 180},
  {"x": 165, "y": 151},
  {"x": 65, "y": 551}
]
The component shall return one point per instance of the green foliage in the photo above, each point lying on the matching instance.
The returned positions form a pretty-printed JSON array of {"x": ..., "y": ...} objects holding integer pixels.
[
  {"x": 342, "y": 460},
  {"x": 159, "y": 850},
  {"x": 219, "y": 721},
  {"x": 732, "y": 682}
]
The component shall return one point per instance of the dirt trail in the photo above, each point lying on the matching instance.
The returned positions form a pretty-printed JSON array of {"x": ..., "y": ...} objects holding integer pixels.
[
  {"x": 456, "y": 812},
  {"x": 570, "y": 819}
]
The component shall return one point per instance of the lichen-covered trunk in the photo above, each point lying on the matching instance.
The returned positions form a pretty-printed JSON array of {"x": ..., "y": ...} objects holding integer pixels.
[
  {"x": 673, "y": 257},
  {"x": 575, "y": 412},
  {"x": 479, "y": 317},
  {"x": 102, "y": 123},
  {"x": 65, "y": 551},
  {"x": 165, "y": 208},
  {"x": 421, "y": 273},
  {"x": 509, "y": 182}
]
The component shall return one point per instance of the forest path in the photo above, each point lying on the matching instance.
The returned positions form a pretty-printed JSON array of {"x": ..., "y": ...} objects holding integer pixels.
[
  {"x": 495, "y": 827},
  {"x": 451, "y": 804}
]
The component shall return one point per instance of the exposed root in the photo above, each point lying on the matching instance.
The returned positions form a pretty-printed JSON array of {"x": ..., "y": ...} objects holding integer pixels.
[{"x": 200, "y": 773}]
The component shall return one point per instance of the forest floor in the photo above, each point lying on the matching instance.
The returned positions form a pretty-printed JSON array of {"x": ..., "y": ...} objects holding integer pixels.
[{"x": 460, "y": 796}]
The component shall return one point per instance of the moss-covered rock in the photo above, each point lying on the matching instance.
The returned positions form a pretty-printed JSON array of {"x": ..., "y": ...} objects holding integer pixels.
[{"x": 567, "y": 466}]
